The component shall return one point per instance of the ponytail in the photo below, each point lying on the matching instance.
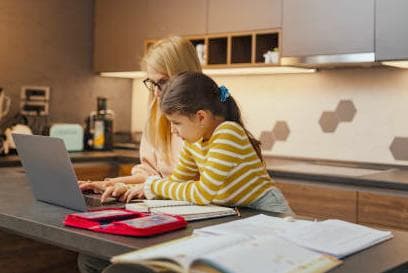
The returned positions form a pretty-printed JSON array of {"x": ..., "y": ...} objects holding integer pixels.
[{"x": 233, "y": 113}]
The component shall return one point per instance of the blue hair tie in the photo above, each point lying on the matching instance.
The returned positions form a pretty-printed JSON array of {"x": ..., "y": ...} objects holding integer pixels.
[{"x": 224, "y": 93}]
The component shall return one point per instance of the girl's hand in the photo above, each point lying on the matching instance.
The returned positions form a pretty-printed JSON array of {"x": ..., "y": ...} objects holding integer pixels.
[
  {"x": 117, "y": 191},
  {"x": 136, "y": 191}
]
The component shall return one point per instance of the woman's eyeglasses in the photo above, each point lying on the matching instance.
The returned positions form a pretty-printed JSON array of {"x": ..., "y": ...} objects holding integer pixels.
[{"x": 152, "y": 85}]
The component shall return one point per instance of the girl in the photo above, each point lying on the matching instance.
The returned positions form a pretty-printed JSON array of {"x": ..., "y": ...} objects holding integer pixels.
[
  {"x": 221, "y": 161},
  {"x": 159, "y": 148}
]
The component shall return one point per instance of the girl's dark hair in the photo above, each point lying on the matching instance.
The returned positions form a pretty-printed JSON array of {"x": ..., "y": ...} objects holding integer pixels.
[{"x": 188, "y": 92}]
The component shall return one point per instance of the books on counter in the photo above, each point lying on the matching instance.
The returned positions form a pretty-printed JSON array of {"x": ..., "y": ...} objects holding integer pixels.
[
  {"x": 262, "y": 244},
  {"x": 229, "y": 253},
  {"x": 187, "y": 210}
]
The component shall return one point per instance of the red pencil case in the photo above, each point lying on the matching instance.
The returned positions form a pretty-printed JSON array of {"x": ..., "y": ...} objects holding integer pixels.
[{"x": 125, "y": 222}]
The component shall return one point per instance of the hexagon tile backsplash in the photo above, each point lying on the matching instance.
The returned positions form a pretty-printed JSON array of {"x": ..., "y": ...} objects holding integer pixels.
[
  {"x": 345, "y": 112},
  {"x": 399, "y": 148},
  {"x": 280, "y": 132}
]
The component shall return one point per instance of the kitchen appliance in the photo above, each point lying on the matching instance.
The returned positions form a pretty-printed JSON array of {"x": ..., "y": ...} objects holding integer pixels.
[
  {"x": 99, "y": 127},
  {"x": 71, "y": 134},
  {"x": 5, "y": 102}
]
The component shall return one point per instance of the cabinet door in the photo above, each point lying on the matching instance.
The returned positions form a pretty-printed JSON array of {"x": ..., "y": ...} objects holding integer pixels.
[
  {"x": 383, "y": 209},
  {"x": 119, "y": 34},
  {"x": 391, "y": 29},
  {"x": 95, "y": 170},
  {"x": 320, "y": 202},
  {"x": 243, "y": 15},
  {"x": 319, "y": 27},
  {"x": 176, "y": 17}
]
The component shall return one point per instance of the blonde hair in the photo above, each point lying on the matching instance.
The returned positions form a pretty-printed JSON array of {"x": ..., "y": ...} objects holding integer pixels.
[{"x": 170, "y": 57}]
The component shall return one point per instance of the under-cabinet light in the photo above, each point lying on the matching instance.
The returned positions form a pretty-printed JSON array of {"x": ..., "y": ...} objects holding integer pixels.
[
  {"x": 222, "y": 72},
  {"x": 399, "y": 64}
]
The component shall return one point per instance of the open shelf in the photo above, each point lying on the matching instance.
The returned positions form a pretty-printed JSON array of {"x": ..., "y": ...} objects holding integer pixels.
[
  {"x": 237, "y": 49},
  {"x": 217, "y": 50},
  {"x": 265, "y": 42},
  {"x": 241, "y": 49}
]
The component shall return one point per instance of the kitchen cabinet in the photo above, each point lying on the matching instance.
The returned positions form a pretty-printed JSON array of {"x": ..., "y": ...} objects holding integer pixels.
[
  {"x": 391, "y": 31},
  {"x": 119, "y": 34},
  {"x": 125, "y": 169},
  {"x": 96, "y": 170},
  {"x": 387, "y": 209},
  {"x": 176, "y": 17},
  {"x": 362, "y": 205},
  {"x": 121, "y": 27},
  {"x": 325, "y": 27},
  {"x": 319, "y": 201},
  {"x": 243, "y": 15}
]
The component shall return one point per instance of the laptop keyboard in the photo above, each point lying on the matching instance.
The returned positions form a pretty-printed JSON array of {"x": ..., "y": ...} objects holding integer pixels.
[{"x": 93, "y": 200}]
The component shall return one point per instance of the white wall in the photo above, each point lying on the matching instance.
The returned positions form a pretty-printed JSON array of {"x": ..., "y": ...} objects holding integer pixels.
[{"x": 380, "y": 96}]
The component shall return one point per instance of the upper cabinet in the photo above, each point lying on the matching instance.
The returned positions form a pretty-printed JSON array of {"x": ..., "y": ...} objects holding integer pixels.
[
  {"x": 121, "y": 27},
  {"x": 325, "y": 27},
  {"x": 119, "y": 34},
  {"x": 175, "y": 17},
  {"x": 391, "y": 33},
  {"x": 243, "y": 15}
]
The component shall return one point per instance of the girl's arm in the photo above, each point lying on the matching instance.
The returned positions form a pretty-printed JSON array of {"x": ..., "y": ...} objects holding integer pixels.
[{"x": 225, "y": 153}]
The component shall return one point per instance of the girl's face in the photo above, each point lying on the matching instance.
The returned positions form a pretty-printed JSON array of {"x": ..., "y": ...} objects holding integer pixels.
[
  {"x": 188, "y": 128},
  {"x": 155, "y": 81}
]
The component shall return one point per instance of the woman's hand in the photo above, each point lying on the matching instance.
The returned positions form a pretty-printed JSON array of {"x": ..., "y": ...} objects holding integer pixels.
[
  {"x": 117, "y": 191},
  {"x": 95, "y": 186},
  {"x": 135, "y": 191}
]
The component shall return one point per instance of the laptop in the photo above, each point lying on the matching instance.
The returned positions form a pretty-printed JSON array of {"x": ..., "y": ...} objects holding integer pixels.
[{"x": 50, "y": 172}]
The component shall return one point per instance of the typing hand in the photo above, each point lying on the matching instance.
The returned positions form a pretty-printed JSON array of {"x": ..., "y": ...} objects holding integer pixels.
[
  {"x": 95, "y": 186},
  {"x": 117, "y": 191},
  {"x": 135, "y": 191}
]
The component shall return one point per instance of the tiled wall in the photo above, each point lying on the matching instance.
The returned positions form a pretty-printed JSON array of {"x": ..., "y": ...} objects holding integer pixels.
[
  {"x": 344, "y": 114},
  {"x": 49, "y": 43}
]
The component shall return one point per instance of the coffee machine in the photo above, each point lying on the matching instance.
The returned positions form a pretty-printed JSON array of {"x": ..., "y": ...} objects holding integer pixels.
[{"x": 99, "y": 127}]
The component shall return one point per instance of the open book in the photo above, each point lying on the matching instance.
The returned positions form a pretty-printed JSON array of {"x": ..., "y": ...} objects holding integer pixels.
[
  {"x": 333, "y": 237},
  {"x": 186, "y": 209},
  {"x": 229, "y": 254}
]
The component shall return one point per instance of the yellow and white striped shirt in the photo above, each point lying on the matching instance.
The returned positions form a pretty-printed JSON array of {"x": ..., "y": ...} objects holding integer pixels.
[{"x": 224, "y": 170}]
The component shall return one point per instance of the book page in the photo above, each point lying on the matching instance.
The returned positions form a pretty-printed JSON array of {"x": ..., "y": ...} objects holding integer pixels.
[
  {"x": 267, "y": 255},
  {"x": 195, "y": 210},
  {"x": 336, "y": 237},
  {"x": 183, "y": 251},
  {"x": 259, "y": 225}
]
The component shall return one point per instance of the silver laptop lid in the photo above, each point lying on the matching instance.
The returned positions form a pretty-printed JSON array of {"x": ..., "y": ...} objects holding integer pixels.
[{"x": 49, "y": 170}]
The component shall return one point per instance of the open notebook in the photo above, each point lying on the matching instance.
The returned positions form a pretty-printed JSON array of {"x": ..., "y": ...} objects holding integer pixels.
[
  {"x": 261, "y": 244},
  {"x": 234, "y": 253},
  {"x": 188, "y": 210}
]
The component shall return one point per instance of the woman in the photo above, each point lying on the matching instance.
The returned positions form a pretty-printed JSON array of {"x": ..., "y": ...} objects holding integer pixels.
[{"x": 159, "y": 148}]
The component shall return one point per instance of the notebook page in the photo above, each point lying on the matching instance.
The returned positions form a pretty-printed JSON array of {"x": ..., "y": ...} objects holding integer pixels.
[
  {"x": 268, "y": 255},
  {"x": 336, "y": 237},
  {"x": 165, "y": 203},
  {"x": 183, "y": 251},
  {"x": 259, "y": 225}
]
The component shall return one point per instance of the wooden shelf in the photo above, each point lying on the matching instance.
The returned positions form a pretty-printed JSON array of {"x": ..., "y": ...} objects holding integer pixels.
[
  {"x": 265, "y": 42},
  {"x": 217, "y": 52},
  {"x": 237, "y": 49},
  {"x": 241, "y": 49}
]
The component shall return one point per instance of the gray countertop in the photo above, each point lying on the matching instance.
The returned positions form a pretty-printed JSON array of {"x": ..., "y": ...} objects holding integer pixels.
[
  {"x": 363, "y": 175},
  {"x": 21, "y": 214}
]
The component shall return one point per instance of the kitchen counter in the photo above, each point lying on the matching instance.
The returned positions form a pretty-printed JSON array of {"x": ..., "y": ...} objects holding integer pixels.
[
  {"x": 360, "y": 175},
  {"x": 119, "y": 155},
  {"x": 21, "y": 214}
]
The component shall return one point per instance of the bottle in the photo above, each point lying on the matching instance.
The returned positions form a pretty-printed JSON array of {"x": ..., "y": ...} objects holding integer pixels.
[{"x": 102, "y": 126}]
